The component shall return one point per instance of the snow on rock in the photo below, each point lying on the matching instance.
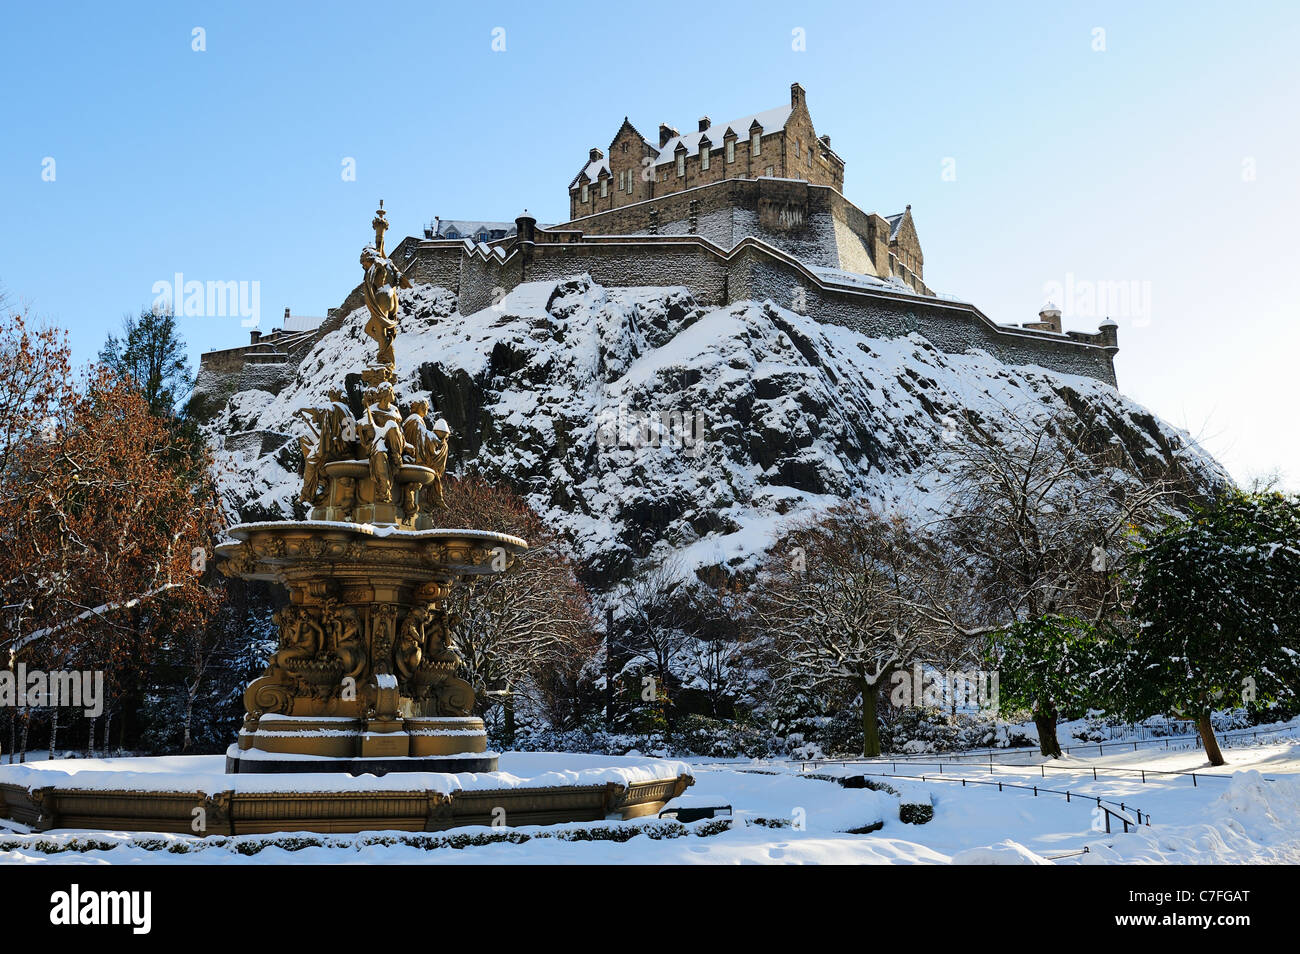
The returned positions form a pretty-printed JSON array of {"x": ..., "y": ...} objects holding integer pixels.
[{"x": 641, "y": 423}]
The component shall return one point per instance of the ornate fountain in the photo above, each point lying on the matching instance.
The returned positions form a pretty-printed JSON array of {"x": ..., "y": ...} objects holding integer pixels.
[{"x": 365, "y": 676}]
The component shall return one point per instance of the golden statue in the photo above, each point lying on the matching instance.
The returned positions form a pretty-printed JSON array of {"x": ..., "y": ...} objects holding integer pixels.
[
  {"x": 382, "y": 433},
  {"x": 364, "y": 677},
  {"x": 381, "y": 282},
  {"x": 334, "y": 430}
]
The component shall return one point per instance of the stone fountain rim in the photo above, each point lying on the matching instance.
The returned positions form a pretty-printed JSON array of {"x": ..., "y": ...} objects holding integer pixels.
[{"x": 241, "y": 532}]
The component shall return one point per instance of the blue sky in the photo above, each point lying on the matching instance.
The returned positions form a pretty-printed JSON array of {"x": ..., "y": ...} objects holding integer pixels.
[{"x": 1162, "y": 154}]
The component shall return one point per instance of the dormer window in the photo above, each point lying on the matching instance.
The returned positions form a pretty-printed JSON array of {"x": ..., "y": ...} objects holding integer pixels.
[
  {"x": 586, "y": 193},
  {"x": 704, "y": 156},
  {"x": 756, "y": 142},
  {"x": 681, "y": 163},
  {"x": 731, "y": 150},
  {"x": 482, "y": 236},
  {"x": 604, "y": 187}
]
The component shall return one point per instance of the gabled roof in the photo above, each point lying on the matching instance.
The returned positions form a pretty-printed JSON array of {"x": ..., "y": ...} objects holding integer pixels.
[
  {"x": 895, "y": 222},
  {"x": 627, "y": 124},
  {"x": 770, "y": 120},
  {"x": 592, "y": 170}
]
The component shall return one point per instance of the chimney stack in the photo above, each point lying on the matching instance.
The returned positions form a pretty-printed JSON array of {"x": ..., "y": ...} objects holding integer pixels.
[
  {"x": 666, "y": 132},
  {"x": 796, "y": 95},
  {"x": 286, "y": 314},
  {"x": 704, "y": 123},
  {"x": 596, "y": 154}
]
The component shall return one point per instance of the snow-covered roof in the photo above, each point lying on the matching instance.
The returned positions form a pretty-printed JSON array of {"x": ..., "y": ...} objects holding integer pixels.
[
  {"x": 441, "y": 228},
  {"x": 770, "y": 120},
  {"x": 592, "y": 170},
  {"x": 300, "y": 323}
]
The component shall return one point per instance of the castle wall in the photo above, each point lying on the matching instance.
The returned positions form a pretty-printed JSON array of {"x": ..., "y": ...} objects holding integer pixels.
[
  {"x": 955, "y": 328},
  {"x": 735, "y": 267},
  {"x": 814, "y": 223}
]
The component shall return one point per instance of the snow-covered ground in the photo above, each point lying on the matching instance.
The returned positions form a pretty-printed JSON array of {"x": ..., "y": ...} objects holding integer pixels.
[{"x": 1247, "y": 812}]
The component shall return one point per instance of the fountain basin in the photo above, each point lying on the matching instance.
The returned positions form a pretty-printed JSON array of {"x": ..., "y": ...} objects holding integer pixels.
[{"x": 162, "y": 794}]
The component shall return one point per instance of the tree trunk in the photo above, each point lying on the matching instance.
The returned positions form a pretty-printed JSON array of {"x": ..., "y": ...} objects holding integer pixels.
[
  {"x": 27, "y": 720},
  {"x": 870, "y": 727},
  {"x": 54, "y": 730},
  {"x": 189, "y": 720},
  {"x": 1206, "y": 730},
  {"x": 1045, "y": 720},
  {"x": 508, "y": 705},
  {"x": 609, "y": 669}
]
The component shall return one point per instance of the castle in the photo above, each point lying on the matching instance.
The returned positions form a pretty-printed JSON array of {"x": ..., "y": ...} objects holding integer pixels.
[
  {"x": 747, "y": 210},
  {"x": 712, "y": 170}
]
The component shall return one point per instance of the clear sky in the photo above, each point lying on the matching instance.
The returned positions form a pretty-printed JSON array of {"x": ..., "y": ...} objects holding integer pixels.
[{"x": 1159, "y": 157}]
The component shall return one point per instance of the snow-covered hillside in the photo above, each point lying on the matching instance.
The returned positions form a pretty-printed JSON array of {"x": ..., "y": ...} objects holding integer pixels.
[{"x": 638, "y": 421}]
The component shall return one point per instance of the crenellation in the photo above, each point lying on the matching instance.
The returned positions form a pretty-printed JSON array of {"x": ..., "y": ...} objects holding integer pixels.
[{"x": 724, "y": 229}]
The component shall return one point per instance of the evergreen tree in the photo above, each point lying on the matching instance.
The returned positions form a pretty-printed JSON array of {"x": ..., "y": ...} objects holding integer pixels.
[
  {"x": 151, "y": 354},
  {"x": 1217, "y": 604},
  {"x": 1049, "y": 665}
]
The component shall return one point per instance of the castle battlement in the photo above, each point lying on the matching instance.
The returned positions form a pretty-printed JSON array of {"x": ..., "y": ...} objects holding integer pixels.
[{"x": 726, "y": 237}]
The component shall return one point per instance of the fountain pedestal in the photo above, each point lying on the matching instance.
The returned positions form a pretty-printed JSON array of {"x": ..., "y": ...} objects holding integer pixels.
[{"x": 364, "y": 679}]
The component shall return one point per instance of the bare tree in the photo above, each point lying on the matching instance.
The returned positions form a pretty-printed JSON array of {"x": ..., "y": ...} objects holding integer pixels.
[
  {"x": 1045, "y": 514},
  {"x": 526, "y": 623},
  {"x": 652, "y": 610},
  {"x": 838, "y": 597}
]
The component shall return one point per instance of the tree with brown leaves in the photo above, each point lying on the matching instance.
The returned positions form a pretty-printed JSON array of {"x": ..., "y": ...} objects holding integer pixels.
[
  {"x": 107, "y": 524},
  {"x": 528, "y": 631}
]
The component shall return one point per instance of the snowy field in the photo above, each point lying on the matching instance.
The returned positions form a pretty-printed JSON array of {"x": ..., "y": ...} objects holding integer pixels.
[{"x": 1247, "y": 812}]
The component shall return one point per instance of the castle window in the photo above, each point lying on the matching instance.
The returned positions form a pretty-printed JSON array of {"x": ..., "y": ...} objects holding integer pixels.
[
  {"x": 768, "y": 172},
  {"x": 482, "y": 236},
  {"x": 622, "y": 181},
  {"x": 586, "y": 193},
  {"x": 704, "y": 158},
  {"x": 731, "y": 150},
  {"x": 681, "y": 164},
  {"x": 604, "y": 188},
  {"x": 755, "y": 142}
]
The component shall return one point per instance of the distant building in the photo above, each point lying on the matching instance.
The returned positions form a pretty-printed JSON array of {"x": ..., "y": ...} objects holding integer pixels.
[
  {"x": 290, "y": 330},
  {"x": 474, "y": 231},
  {"x": 703, "y": 182}
]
